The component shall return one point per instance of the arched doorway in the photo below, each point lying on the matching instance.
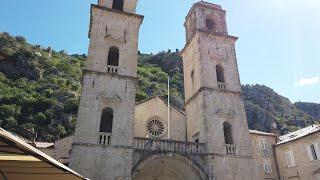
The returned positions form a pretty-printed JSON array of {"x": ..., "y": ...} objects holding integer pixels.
[{"x": 167, "y": 167}]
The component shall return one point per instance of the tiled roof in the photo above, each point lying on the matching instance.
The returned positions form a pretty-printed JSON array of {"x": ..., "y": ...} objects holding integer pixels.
[
  {"x": 43, "y": 144},
  {"x": 261, "y": 133},
  {"x": 298, "y": 134},
  {"x": 35, "y": 144}
]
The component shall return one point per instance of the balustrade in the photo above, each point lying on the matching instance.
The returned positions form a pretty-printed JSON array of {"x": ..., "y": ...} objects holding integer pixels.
[
  {"x": 230, "y": 149},
  {"x": 112, "y": 69},
  {"x": 222, "y": 86},
  {"x": 168, "y": 146},
  {"x": 104, "y": 138}
]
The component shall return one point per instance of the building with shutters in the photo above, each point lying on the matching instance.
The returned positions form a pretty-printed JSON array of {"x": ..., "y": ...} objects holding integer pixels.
[{"x": 298, "y": 154}]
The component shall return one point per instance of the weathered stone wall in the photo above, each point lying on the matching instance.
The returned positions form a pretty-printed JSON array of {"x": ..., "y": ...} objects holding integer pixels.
[
  {"x": 91, "y": 156},
  {"x": 111, "y": 91},
  {"x": 211, "y": 103},
  {"x": 102, "y": 162},
  {"x": 62, "y": 148},
  {"x": 220, "y": 107},
  {"x": 191, "y": 68},
  {"x": 234, "y": 168},
  {"x": 218, "y": 50},
  {"x": 199, "y": 13},
  {"x": 113, "y": 29},
  {"x": 261, "y": 155},
  {"x": 305, "y": 168}
]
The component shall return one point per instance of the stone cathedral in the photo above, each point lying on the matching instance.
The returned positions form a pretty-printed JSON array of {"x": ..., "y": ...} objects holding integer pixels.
[{"x": 117, "y": 139}]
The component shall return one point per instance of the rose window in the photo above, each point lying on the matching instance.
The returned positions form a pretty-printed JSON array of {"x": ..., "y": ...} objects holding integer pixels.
[{"x": 155, "y": 128}]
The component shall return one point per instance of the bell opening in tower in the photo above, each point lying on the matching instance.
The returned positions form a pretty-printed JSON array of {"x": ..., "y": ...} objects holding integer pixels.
[{"x": 118, "y": 5}]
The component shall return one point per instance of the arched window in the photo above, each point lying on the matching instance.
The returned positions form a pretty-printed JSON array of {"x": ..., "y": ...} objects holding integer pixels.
[
  {"x": 113, "y": 56},
  {"x": 227, "y": 130},
  {"x": 210, "y": 25},
  {"x": 117, "y": 4},
  {"x": 192, "y": 75},
  {"x": 220, "y": 74},
  {"x": 106, "y": 120}
]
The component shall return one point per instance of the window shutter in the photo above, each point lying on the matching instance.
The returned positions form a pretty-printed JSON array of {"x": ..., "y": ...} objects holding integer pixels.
[
  {"x": 290, "y": 159},
  {"x": 309, "y": 152},
  {"x": 265, "y": 146},
  {"x": 286, "y": 154},
  {"x": 316, "y": 147},
  {"x": 270, "y": 168},
  {"x": 293, "y": 162},
  {"x": 261, "y": 143},
  {"x": 265, "y": 167}
]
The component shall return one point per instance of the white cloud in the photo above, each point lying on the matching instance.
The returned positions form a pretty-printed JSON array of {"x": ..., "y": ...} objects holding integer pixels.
[{"x": 308, "y": 81}]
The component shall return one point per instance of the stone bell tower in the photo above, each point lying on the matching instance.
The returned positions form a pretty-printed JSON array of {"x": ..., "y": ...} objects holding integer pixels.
[
  {"x": 214, "y": 101},
  {"x": 102, "y": 147}
]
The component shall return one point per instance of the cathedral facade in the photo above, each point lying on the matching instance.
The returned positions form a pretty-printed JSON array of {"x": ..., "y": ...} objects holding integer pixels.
[{"x": 115, "y": 139}]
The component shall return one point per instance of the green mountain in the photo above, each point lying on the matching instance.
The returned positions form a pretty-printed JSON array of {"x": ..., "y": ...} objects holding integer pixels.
[{"x": 40, "y": 91}]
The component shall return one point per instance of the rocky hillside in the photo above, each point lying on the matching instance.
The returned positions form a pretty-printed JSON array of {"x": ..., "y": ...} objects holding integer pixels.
[
  {"x": 265, "y": 108},
  {"x": 40, "y": 91}
]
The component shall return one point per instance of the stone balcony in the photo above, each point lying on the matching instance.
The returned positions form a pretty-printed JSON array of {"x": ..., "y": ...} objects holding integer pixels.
[
  {"x": 221, "y": 86},
  {"x": 112, "y": 69},
  {"x": 104, "y": 138},
  {"x": 182, "y": 147},
  {"x": 230, "y": 149}
]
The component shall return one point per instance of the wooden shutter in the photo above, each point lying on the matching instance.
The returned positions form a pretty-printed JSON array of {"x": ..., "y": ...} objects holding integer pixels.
[
  {"x": 316, "y": 147},
  {"x": 290, "y": 159},
  {"x": 263, "y": 144},
  {"x": 309, "y": 152},
  {"x": 265, "y": 167}
]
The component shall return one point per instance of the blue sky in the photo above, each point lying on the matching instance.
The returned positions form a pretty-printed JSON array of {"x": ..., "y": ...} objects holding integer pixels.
[{"x": 278, "y": 39}]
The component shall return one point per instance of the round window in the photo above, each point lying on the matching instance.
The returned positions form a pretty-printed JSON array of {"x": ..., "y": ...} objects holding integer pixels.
[{"x": 155, "y": 128}]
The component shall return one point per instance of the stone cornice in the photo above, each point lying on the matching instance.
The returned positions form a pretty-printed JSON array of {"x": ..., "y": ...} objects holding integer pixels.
[
  {"x": 101, "y": 145},
  {"x": 234, "y": 156},
  {"x": 210, "y": 89},
  {"x": 221, "y": 35},
  {"x": 86, "y": 71}
]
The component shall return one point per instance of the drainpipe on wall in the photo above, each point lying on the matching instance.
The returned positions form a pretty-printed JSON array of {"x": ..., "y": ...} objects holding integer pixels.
[{"x": 276, "y": 160}]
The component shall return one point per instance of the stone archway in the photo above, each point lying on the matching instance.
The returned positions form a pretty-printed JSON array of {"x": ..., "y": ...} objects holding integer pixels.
[{"x": 167, "y": 167}]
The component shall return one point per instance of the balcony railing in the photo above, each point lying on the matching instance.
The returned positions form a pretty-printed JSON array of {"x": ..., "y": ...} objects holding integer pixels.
[
  {"x": 104, "y": 138},
  {"x": 112, "y": 69},
  {"x": 169, "y": 146},
  {"x": 222, "y": 86},
  {"x": 230, "y": 149}
]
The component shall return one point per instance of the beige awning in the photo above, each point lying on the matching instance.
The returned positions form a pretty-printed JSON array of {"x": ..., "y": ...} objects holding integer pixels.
[{"x": 21, "y": 161}]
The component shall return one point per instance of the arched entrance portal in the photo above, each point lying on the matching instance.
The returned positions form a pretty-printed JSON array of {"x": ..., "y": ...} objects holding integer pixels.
[{"x": 162, "y": 167}]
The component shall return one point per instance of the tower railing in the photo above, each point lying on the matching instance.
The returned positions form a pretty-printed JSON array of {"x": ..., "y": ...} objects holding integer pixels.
[
  {"x": 182, "y": 147},
  {"x": 112, "y": 69},
  {"x": 104, "y": 138},
  {"x": 231, "y": 149},
  {"x": 222, "y": 86}
]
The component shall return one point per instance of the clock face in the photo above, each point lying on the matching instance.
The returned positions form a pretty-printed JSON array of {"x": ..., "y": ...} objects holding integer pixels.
[{"x": 217, "y": 51}]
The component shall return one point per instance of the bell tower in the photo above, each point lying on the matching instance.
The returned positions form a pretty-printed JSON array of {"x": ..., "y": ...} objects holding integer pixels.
[
  {"x": 214, "y": 102},
  {"x": 102, "y": 147}
]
